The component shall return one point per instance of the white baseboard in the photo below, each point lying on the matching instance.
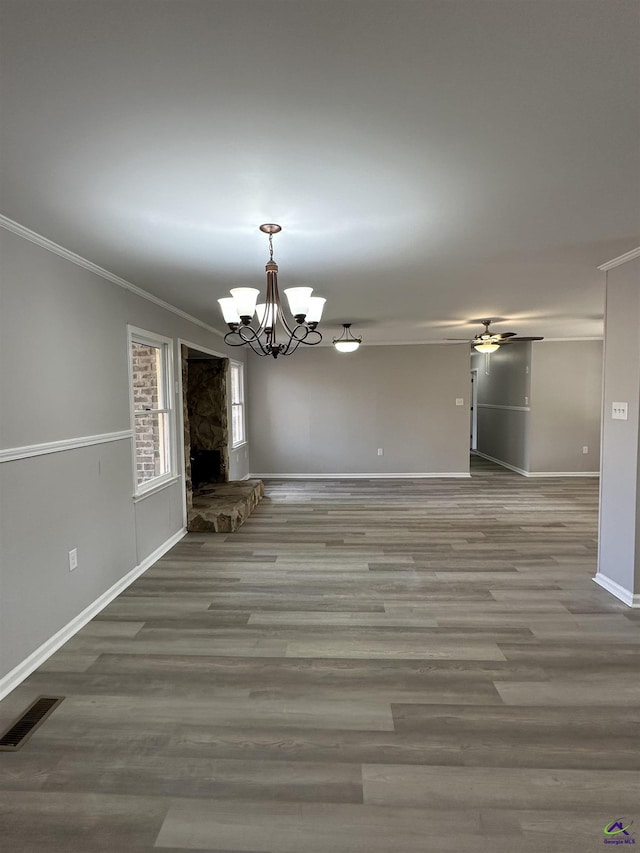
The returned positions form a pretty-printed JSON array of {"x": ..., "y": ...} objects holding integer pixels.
[
  {"x": 18, "y": 674},
  {"x": 373, "y": 476},
  {"x": 537, "y": 473},
  {"x": 500, "y": 462},
  {"x": 562, "y": 474},
  {"x": 625, "y": 595}
]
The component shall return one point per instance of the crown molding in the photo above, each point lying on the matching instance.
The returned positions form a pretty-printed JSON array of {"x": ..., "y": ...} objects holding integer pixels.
[
  {"x": 68, "y": 255},
  {"x": 621, "y": 259}
]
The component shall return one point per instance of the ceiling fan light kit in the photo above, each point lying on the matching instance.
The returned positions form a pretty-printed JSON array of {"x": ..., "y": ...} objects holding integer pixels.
[
  {"x": 486, "y": 346},
  {"x": 488, "y": 342},
  {"x": 238, "y": 311},
  {"x": 347, "y": 342}
]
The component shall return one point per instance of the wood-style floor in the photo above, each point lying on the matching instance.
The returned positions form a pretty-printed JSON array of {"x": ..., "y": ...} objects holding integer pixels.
[{"x": 364, "y": 667}]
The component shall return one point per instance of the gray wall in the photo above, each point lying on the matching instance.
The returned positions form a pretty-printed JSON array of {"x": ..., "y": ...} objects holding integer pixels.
[
  {"x": 566, "y": 406},
  {"x": 503, "y": 404},
  {"x": 323, "y": 412},
  {"x": 64, "y": 375},
  {"x": 619, "y": 526},
  {"x": 540, "y": 404}
]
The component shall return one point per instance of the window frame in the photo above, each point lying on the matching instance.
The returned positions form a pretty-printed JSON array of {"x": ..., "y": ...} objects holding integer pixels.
[
  {"x": 165, "y": 345},
  {"x": 237, "y": 366}
]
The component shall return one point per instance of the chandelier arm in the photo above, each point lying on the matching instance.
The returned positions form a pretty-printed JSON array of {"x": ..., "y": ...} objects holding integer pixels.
[
  {"x": 308, "y": 335},
  {"x": 296, "y": 339},
  {"x": 246, "y": 335},
  {"x": 262, "y": 351},
  {"x": 252, "y": 338},
  {"x": 290, "y": 348}
]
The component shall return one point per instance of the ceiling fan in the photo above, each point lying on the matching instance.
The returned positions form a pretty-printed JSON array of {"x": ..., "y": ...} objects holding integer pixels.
[{"x": 488, "y": 341}]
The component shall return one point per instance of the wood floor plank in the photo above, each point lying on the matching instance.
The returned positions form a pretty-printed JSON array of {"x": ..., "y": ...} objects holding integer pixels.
[{"x": 365, "y": 666}]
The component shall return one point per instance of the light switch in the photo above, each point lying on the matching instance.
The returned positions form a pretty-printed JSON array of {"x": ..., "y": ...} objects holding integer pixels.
[
  {"x": 619, "y": 411},
  {"x": 459, "y": 401}
]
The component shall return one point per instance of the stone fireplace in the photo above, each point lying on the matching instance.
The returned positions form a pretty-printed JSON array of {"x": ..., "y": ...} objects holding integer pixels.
[
  {"x": 213, "y": 503},
  {"x": 206, "y": 433}
]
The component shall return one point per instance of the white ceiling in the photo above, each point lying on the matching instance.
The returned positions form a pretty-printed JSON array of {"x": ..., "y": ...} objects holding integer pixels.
[{"x": 431, "y": 163}]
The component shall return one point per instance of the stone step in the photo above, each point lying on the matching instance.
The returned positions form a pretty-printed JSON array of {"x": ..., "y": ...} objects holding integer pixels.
[{"x": 223, "y": 507}]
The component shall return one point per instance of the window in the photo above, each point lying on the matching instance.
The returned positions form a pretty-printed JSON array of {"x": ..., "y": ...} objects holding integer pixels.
[
  {"x": 150, "y": 366},
  {"x": 237, "y": 403}
]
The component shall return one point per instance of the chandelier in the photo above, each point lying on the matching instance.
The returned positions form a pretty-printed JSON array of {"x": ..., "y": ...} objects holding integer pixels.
[{"x": 239, "y": 308}]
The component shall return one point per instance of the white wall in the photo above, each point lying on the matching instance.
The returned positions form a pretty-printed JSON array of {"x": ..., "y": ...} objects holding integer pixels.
[
  {"x": 64, "y": 376},
  {"x": 323, "y": 412}
]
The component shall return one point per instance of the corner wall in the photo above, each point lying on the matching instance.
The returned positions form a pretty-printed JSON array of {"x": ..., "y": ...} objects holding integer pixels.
[{"x": 619, "y": 539}]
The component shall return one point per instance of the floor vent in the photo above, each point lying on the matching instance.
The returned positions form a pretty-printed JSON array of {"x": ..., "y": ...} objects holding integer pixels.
[{"x": 20, "y": 731}]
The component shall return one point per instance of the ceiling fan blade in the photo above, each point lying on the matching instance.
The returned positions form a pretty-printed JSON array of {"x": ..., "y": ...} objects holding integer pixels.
[
  {"x": 467, "y": 340},
  {"x": 513, "y": 340},
  {"x": 505, "y": 334}
]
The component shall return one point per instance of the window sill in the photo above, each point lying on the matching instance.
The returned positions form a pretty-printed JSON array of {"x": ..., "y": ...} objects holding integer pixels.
[
  {"x": 153, "y": 490},
  {"x": 240, "y": 445}
]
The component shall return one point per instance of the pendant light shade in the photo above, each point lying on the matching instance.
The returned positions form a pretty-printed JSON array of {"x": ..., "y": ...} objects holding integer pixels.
[
  {"x": 298, "y": 298},
  {"x": 346, "y": 342},
  {"x": 486, "y": 347},
  {"x": 245, "y": 299}
]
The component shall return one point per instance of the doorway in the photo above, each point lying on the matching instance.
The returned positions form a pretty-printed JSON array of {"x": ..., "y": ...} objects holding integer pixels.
[
  {"x": 205, "y": 421},
  {"x": 473, "y": 444}
]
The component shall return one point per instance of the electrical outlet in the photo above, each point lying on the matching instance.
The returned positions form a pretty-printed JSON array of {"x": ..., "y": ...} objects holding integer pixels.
[
  {"x": 526, "y": 401},
  {"x": 73, "y": 559},
  {"x": 585, "y": 448},
  {"x": 380, "y": 451}
]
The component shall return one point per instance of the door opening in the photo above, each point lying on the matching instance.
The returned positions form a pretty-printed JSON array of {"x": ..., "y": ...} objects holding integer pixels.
[{"x": 474, "y": 410}]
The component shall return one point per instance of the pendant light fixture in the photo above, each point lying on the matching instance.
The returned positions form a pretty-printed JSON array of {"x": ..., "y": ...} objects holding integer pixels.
[
  {"x": 346, "y": 342},
  {"x": 239, "y": 308}
]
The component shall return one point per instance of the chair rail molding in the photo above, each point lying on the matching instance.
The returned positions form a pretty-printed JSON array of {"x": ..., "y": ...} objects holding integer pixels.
[{"x": 29, "y": 450}]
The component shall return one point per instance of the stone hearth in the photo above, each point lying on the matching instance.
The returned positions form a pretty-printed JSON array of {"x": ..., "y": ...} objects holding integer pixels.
[{"x": 223, "y": 507}]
